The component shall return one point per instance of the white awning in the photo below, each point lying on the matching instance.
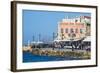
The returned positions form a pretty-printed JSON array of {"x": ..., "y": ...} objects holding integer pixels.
[
  {"x": 65, "y": 40},
  {"x": 88, "y": 38}
]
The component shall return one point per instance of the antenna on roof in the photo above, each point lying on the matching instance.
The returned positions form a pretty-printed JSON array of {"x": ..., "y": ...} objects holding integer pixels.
[{"x": 28, "y": 42}]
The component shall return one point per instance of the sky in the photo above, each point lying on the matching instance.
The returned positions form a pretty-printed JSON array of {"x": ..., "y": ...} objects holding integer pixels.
[{"x": 43, "y": 23}]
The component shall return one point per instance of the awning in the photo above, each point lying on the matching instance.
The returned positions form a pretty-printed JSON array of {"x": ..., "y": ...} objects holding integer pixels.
[{"x": 88, "y": 38}]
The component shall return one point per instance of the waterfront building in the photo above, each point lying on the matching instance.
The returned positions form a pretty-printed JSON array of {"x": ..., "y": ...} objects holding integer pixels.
[{"x": 73, "y": 28}]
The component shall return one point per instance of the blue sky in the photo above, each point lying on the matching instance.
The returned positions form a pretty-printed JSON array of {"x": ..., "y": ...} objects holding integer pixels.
[{"x": 44, "y": 23}]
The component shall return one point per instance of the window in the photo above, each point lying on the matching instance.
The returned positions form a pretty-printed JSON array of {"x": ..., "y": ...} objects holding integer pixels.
[
  {"x": 66, "y": 30},
  {"x": 74, "y": 35},
  {"x": 71, "y": 30},
  {"x": 61, "y": 30},
  {"x": 69, "y": 35},
  {"x": 81, "y": 31}
]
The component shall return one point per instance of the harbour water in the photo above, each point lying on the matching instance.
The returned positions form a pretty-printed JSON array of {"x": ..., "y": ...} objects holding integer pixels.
[{"x": 29, "y": 57}]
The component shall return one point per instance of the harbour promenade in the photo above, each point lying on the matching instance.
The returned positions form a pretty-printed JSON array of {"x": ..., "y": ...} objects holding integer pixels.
[{"x": 83, "y": 54}]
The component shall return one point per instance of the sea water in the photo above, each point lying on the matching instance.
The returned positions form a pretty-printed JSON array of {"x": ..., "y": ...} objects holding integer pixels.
[{"x": 29, "y": 57}]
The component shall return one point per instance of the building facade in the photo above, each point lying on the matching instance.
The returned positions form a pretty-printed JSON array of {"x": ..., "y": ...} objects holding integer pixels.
[{"x": 73, "y": 29}]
